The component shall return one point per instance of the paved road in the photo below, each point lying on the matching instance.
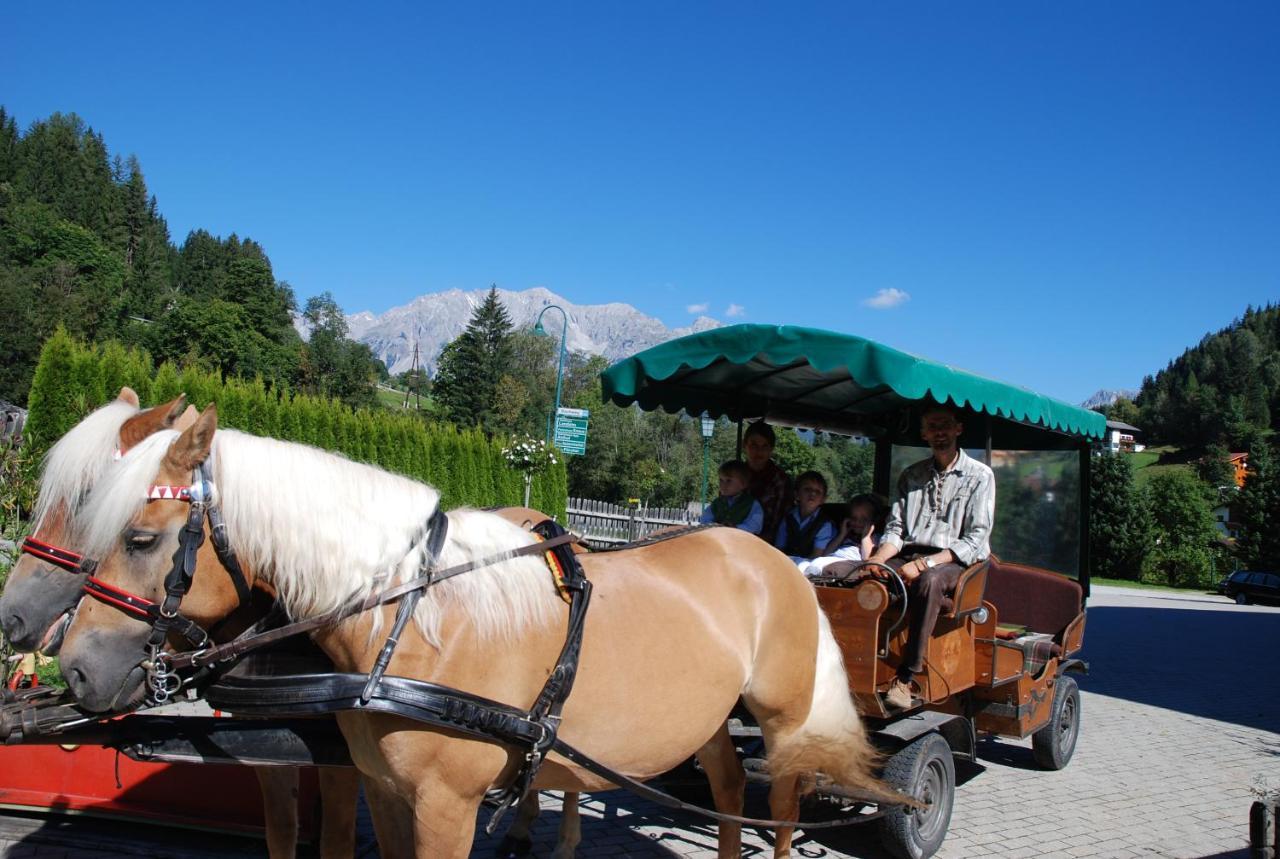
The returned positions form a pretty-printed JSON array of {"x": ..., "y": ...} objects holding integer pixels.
[{"x": 1181, "y": 718}]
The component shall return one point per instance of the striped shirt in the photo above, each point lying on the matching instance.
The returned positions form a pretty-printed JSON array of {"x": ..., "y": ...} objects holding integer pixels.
[{"x": 952, "y": 509}]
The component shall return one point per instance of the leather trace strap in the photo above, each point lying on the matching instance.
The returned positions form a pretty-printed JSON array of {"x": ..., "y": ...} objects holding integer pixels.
[
  {"x": 53, "y": 554},
  {"x": 248, "y": 643}
]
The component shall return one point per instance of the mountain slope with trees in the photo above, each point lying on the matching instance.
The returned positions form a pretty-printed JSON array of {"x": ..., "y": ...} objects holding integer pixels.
[
  {"x": 83, "y": 245},
  {"x": 1224, "y": 390}
]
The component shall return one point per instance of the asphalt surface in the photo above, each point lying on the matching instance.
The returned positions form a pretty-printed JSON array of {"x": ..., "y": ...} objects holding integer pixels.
[{"x": 1181, "y": 723}]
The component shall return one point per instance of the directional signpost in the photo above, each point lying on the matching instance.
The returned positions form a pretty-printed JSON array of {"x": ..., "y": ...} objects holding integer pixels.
[{"x": 571, "y": 430}]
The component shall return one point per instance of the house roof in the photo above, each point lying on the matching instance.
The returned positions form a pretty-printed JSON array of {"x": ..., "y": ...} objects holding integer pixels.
[{"x": 1121, "y": 425}]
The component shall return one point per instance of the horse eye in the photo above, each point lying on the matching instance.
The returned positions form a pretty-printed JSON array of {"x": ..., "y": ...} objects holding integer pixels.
[{"x": 139, "y": 541}]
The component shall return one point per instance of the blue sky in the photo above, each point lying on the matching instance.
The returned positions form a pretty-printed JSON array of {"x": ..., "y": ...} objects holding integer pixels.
[{"x": 1064, "y": 196}]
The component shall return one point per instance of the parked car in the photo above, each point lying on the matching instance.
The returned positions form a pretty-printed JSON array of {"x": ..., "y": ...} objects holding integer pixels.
[{"x": 1247, "y": 586}]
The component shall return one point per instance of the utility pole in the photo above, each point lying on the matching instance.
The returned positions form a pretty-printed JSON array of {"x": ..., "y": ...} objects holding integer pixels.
[{"x": 414, "y": 382}]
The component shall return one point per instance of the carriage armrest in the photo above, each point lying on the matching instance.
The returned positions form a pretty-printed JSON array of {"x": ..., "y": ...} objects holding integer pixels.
[{"x": 966, "y": 599}]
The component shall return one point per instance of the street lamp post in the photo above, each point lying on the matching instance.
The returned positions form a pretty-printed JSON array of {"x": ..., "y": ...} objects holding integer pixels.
[
  {"x": 708, "y": 429},
  {"x": 564, "y": 333}
]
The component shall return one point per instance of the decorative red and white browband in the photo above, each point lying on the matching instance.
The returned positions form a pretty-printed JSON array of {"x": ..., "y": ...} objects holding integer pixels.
[
  {"x": 165, "y": 492},
  {"x": 169, "y": 493}
]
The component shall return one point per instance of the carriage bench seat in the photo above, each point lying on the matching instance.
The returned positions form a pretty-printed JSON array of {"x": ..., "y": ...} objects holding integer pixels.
[{"x": 1034, "y": 607}]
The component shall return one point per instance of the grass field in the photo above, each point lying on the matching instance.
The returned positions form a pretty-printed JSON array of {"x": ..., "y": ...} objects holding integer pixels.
[{"x": 1146, "y": 463}]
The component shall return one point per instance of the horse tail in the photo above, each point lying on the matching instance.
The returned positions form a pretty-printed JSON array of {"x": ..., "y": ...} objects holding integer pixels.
[{"x": 832, "y": 741}]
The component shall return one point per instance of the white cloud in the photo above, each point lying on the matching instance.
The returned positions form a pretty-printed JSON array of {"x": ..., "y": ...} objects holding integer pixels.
[
  {"x": 886, "y": 298},
  {"x": 734, "y": 310},
  {"x": 698, "y": 308}
]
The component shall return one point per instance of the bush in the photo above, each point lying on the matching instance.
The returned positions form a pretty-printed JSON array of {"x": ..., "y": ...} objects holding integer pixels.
[{"x": 466, "y": 467}]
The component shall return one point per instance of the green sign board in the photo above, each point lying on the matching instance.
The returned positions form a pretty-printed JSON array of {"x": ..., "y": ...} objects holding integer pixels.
[{"x": 571, "y": 430}]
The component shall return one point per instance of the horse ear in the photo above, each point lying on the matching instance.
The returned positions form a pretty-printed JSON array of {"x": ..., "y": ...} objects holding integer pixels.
[
  {"x": 143, "y": 424},
  {"x": 192, "y": 447},
  {"x": 187, "y": 419},
  {"x": 129, "y": 396}
]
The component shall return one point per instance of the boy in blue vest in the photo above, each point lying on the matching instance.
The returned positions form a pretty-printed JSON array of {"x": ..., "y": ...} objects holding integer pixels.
[
  {"x": 734, "y": 506},
  {"x": 804, "y": 532}
]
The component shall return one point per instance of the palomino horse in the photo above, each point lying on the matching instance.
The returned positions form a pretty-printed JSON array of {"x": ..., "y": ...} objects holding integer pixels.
[
  {"x": 38, "y": 599},
  {"x": 678, "y": 631}
]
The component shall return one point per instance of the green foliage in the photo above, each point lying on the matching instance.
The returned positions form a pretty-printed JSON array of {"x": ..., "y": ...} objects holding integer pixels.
[
  {"x": 332, "y": 365},
  {"x": 1257, "y": 508},
  {"x": 467, "y": 467},
  {"x": 83, "y": 245},
  {"x": 472, "y": 366},
  {"x": 1215, "y": 468},
  {"x": 1121, "y": 530},
  {"x": 1227, "y": 388},
  {"x": 1181, "y": 507}
]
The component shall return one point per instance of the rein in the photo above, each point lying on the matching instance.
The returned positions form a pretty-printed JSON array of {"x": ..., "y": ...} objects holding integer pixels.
[{"x": 535, "y": 730}]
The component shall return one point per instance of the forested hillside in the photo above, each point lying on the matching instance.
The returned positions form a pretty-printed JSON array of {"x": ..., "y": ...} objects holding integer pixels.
[
  {"x": 83, "y": 244},
  {"x": 1226, "y": 390}
]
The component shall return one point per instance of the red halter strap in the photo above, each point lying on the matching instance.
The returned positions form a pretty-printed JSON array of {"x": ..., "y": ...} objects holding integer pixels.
[
  {"x": 140, "y": 607},
  {"x": 52, "y": 554}
]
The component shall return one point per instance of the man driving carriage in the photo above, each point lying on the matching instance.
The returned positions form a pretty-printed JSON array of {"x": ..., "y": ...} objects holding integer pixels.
[{"x": 939, "y": 524}]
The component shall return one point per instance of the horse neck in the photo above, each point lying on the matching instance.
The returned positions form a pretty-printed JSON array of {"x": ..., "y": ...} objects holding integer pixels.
[{"x": 324, "y": 551}]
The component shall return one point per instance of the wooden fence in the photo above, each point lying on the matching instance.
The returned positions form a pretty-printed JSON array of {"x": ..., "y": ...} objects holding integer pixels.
[{"x": 602, "y": 522}]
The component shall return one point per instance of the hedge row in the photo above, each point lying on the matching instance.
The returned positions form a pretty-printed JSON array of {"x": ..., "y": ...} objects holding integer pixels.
[{"x": 72, "y": 379}]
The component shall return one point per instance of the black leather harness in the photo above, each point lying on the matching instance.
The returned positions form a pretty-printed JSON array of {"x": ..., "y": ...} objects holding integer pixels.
[{"x": 534, "y": 730}]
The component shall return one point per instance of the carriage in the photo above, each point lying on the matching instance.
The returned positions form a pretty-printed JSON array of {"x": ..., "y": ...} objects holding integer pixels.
[
  {"x": 998, "y": 661},
  {"x": 1000, "y": 657}
]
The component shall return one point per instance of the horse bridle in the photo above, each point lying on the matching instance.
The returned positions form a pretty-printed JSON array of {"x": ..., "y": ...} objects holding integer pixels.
[{"x": 165, "y": 618}]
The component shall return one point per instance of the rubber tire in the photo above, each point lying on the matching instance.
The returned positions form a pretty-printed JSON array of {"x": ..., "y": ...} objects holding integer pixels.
[
  {"x": 926, "y": 770},
  {"x": 1053, "y": 745},
  {"x": 1242, "y": 598}
]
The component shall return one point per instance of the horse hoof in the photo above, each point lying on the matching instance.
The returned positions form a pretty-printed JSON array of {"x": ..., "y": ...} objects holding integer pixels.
[{"x": 513, "y": 848}]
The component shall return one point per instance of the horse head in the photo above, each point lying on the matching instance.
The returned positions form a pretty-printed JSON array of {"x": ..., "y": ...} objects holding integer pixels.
[
  {"x": 145, "y": 525},
  {"x": 45, "y": 582}
]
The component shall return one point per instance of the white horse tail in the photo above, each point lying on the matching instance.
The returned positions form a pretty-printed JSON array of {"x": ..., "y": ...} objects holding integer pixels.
[{"x": 833, "y": 741}]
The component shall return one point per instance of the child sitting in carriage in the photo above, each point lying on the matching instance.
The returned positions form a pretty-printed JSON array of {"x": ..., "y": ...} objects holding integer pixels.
[
  {"x": 857, "y": 536},
  {"x": 804, "y": 531},
  {"x": 734, "y": 506}
]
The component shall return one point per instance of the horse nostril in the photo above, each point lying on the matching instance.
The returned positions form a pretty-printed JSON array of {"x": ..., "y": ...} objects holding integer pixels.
[
  {"x": 75, "y": 679},
  {"x": 12, "y": 627}
]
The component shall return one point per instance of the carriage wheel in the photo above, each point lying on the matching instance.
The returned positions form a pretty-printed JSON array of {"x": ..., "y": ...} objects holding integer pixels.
[
  {"x": 925, "y": 770},
  {"x": 1053, "y": 745}
]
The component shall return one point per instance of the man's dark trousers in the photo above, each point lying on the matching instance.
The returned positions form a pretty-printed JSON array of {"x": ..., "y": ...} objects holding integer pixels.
[{"x": 924, "y": 605}]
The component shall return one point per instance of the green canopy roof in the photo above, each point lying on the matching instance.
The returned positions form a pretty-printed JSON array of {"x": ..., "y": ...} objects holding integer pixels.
[{"x": 811, "y": 377}]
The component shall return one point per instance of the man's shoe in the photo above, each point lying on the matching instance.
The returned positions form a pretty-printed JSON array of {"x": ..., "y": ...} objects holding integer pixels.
[{"x": 899, "y": 695}]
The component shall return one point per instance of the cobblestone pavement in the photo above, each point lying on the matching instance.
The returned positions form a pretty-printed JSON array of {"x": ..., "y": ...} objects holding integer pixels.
[{"x": 1181, "y": 717}]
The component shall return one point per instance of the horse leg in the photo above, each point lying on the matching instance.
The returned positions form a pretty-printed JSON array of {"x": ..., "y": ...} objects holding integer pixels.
[
  {"x": 339, "y": 793},
  {"x": 518, "y": 841},
  {"x": 444, "y": 823},
  {"x": 392, "y": 820},
  {"x": 728, "y": 782},
  {"x": 279, "y": 809},
  {"x": 570, "y": 827},
  {"x": 784, "y": 804}
]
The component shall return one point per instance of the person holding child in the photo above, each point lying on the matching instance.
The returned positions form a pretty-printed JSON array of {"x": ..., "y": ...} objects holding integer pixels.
[
  {"x": 734, "y": 506},
  {"x": 857, "y": 536},
  {"x": 804, "y": 532},
  {"x": 767, "y": 483}
]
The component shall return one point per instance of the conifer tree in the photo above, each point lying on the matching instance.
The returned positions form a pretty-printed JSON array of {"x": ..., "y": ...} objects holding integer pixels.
[
  {"x": 1257, "y": 508},
  {"x": 1120, "y": 525},
  {"x": 471, "y": 366},
  {"x": 51, "y": 403}
]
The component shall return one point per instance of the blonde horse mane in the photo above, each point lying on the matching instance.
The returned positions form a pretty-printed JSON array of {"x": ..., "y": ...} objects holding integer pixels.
[
  {"x": 79, "y": 459},
  {"x": 328, "y": 532}
]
